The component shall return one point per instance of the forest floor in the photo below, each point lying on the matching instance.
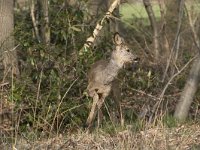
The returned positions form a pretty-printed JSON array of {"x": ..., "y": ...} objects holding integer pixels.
[{"x": 184, "y": 137}]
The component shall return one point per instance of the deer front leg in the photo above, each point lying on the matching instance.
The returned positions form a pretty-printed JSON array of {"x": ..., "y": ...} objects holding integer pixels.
[
  {"x": 99, "y": 105},
  {"x": 116, "y": 91}
]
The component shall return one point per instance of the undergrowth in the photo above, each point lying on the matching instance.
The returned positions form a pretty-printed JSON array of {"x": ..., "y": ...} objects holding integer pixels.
[{"x": 48, "y": 99}]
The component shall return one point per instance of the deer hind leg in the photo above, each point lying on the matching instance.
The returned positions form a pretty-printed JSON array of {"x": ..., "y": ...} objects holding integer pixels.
[
  {"x": 93, "y": 111},
  {"x": 99, "y": 106},
  {"x": 96, "y": 108},
  {"x": 98, "y": 100},
  {"x": 116, "y": 91}
]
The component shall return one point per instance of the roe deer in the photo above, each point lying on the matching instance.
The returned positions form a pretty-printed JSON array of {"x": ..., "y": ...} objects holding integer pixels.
[{"x": 103, "y": 73}]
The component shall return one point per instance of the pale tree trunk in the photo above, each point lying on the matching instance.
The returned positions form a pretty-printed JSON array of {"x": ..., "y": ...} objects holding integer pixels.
[
  {"x": 189, "y": 91},
  {"x": 45, "y": 28},
  {"x": 187, "y": 96},
  {"x": 8, "y": 54},
  {"x": 98, "y": 8},
  {"x": 95, "y": 10},
  {"x": 34, "y": 20},
  {"x": 100, "y": 24},
  {"x": 114, "y": 25}
]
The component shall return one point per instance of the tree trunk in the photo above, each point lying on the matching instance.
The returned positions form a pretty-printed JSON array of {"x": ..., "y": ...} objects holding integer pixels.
[
  {"x": 98, "y": 8},
  {"x": 45, "y": 29},
  {"x": 8, "y": 54},
  {"x": 153, "y": 22},
  {"x": 189, "y": 91},
  {"x": 191, "y": 85}
]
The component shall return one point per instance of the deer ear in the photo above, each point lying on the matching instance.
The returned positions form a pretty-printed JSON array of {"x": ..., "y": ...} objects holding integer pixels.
[{"x": 117, "y": 39}]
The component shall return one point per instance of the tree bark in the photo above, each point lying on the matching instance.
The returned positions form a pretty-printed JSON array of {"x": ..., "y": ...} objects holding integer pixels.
[
  {"x": 34, "y": 20},
  {"x": 8, "y": 54},
  {"x": 97, "y": 8},
  {"x": 152, "y": 20},
  {"x": 45, "y": 28},
  {"x": 189, "y": 91}
]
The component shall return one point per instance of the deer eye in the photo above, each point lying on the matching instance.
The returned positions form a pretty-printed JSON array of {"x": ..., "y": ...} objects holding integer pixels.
[{"x": 128, "y": 50}]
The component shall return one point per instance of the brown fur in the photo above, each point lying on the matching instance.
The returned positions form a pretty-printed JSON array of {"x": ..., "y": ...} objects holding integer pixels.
[{"x": 101, "y": 77}]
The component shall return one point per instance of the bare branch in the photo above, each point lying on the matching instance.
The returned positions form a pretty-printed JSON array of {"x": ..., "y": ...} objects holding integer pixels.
[
  {"x": 152, "y": 20},
  {"x": 192, "y": 22},
  {"x": 89, "y": 42},
  {"x": 174, "y": 51},
  {"x": 157, "y": 105}
]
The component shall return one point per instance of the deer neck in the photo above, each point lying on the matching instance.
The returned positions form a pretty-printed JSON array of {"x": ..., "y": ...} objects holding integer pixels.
[{"x": 112, "y": 71}]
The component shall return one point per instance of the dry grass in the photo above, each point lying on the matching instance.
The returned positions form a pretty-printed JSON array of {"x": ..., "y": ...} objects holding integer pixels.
[{"x": 184, "y": 137}]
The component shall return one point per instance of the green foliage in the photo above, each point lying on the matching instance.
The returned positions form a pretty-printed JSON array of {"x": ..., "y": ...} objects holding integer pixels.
[
  {"x": 49, "y": 93},
  {"x": 53, "y": 78}
]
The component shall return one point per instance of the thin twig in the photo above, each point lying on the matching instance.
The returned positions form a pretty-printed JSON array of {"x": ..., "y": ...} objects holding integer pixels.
[
  {"x": 38, "y": 94},
  {"x": 58, "y": 108},
  {"x": 157, "y": 105},
  {"x": 192, "y": 26},
  {"x": 176, "y": 74},
  {"x": 181, "y": 7},
  {"x": 142, "y": 92}
]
